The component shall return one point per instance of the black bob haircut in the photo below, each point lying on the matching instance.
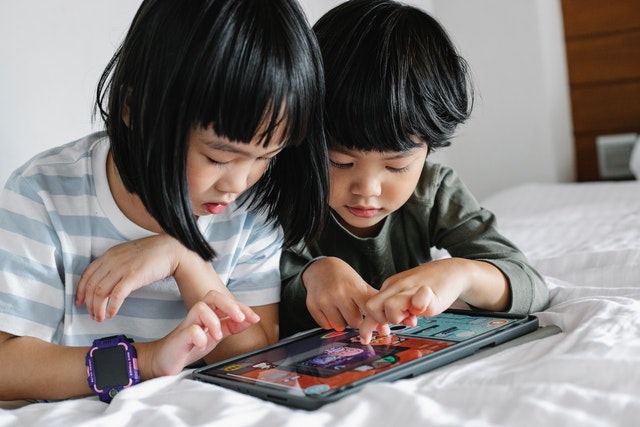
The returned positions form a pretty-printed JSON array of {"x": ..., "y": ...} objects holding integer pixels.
[
  {"x": 241, "y": 66},
  {"x": 391, "y": 73}
]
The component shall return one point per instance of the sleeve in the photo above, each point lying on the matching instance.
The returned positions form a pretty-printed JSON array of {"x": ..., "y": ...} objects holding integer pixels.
[
  {"x": 294, "y": 316},
  {"x": 255, "y": 275},
  {"x": 32, "y": 291},
  {"x": 466, "y": 230}
]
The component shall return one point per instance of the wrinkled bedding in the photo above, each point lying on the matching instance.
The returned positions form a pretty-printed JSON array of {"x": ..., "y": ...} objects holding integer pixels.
[{"x": 584, "y": 238}]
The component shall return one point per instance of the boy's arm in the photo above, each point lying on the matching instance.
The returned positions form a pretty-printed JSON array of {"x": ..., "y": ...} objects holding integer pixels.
[
  {"x": 294, "y": 315},
  {"x": 336, "y": 294},
  {"x": 459, "y": 224},
  {"x": 431, "y": 288},
  {"x": 325, "y": 292}
]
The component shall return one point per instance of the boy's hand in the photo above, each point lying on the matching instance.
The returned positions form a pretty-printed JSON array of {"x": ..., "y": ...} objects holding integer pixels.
[
  {"x": 426, "y": 290},
  {"x": 401, "y": 308},
  {"x": 431, "y": 288},
  {"x": 336, "y": 294}
]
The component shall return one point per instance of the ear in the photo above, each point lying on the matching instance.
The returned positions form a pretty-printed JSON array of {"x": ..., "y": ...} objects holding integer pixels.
[{"x": 126, "y": 108}]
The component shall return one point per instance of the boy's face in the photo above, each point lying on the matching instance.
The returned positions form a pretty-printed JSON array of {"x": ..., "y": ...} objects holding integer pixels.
[
  {"x": 366, "y": 186},
  {"x": 219, "y": 170}
]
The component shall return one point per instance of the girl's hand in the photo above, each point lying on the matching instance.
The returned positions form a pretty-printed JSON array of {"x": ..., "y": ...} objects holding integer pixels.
[
  {"x": 214, "y": 318},
  {"x": 122, "y": 269}
]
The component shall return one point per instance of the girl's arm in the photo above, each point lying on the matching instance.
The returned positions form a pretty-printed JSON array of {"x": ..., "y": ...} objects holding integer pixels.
[
  {"x": 196, "y": 277},
  {"x": 109, "y": 279},
  {"x": 261, "y": 334},
  {"x": 31, "y": 368},
  {"x": 34, "y": 369},
  {"x": 132, "y": 265}
]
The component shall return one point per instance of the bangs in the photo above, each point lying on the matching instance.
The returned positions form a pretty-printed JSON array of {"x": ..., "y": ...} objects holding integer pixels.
[
  {"x": 246, "y": 68},
  {"x": 371, "y": 116},
  {"x": 249, "y": 85},
  {"x": 390, "y": 76}
]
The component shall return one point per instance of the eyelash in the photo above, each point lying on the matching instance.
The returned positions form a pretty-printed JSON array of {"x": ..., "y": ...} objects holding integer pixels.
[
  {"x": 348, "y": 165},
  {"x": 226, "y": 164},
  {"x": 340, "y": 165},
  {"x": 398, "y": 170},
  {"x": 219, "y": 164}
]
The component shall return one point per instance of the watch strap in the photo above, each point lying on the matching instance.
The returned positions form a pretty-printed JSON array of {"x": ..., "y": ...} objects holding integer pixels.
[{"x": 112, "y": 365}]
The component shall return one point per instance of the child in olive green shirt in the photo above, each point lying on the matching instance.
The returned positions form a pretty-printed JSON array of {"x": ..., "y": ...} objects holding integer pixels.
[{"x": 396, "y": 91}]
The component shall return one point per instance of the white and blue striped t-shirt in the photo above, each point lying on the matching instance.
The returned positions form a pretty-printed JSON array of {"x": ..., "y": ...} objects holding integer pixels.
[{"x": 57, "y": 214}]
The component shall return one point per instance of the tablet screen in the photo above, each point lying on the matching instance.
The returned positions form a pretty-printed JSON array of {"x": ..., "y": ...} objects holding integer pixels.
[
  {"x": 327, "y": 361},
  {"x": 453, "y": 327}
]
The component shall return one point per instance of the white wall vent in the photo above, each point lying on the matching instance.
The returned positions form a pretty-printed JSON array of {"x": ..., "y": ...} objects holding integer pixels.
[{"x": 614, "y": 153}]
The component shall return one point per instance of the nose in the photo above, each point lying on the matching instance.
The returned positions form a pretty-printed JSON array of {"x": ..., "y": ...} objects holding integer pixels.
[
  {"x": 366, "y": 186},
  {"x": 235, "y": 180}
]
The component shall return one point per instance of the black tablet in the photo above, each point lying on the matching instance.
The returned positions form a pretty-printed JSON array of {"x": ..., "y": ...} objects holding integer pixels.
[{"x": 317, "y": 367}]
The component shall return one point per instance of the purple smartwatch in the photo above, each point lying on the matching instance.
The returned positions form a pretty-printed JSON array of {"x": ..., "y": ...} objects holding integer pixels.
[{"x": 112, "y": 365}]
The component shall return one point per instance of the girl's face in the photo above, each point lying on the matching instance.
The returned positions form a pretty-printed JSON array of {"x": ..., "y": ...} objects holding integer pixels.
[
  {"x": 219, "y": 170},
  {"x": 366, "y": 186}
]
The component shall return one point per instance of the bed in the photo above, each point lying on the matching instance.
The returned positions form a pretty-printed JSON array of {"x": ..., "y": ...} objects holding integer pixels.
[{"x": 583, "y": 237}]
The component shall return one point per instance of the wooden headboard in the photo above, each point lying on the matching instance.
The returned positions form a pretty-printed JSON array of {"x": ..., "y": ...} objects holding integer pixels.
[{"x": 603, "y": 55}]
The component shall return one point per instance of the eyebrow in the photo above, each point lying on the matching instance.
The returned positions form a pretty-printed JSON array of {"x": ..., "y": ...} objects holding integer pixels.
[
  {"x": 400, "y": 155},
  {"x": 236, "y": 147},
  {"x": 394, "y": 155}
]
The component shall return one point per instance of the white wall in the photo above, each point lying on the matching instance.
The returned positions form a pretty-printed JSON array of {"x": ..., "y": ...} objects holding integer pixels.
[
  {"x": 316, "y": 8},
  {"x": 520, "y": 129},
  {"x": 53, "y": 51}
]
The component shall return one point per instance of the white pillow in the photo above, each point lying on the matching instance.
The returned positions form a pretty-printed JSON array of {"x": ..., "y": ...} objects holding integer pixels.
[{"x": 634, "y": 162}]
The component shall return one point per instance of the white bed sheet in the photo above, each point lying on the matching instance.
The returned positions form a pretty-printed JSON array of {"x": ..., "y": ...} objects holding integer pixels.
[
  {"x": 587, "y": 233},
  {"x": 585, "y": 239}
]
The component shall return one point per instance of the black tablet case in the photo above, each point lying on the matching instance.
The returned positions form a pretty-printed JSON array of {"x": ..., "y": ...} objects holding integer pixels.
[{"x": 523, "y": 326}]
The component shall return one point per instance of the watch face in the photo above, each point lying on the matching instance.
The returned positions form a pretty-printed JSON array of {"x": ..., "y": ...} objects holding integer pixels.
[{"x": 110, "y": 367}]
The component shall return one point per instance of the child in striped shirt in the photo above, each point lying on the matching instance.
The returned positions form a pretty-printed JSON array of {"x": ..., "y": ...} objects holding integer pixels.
[{"x": 213, "y": 159}]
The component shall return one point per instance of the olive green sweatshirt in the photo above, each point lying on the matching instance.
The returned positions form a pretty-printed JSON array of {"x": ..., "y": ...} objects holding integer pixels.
[{"x": 442, "y": 214}]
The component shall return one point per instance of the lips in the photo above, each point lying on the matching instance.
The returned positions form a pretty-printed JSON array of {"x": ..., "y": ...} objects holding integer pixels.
[
  {"x": 363, "y": 211},
  {"x": 215, "y": 208}
]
